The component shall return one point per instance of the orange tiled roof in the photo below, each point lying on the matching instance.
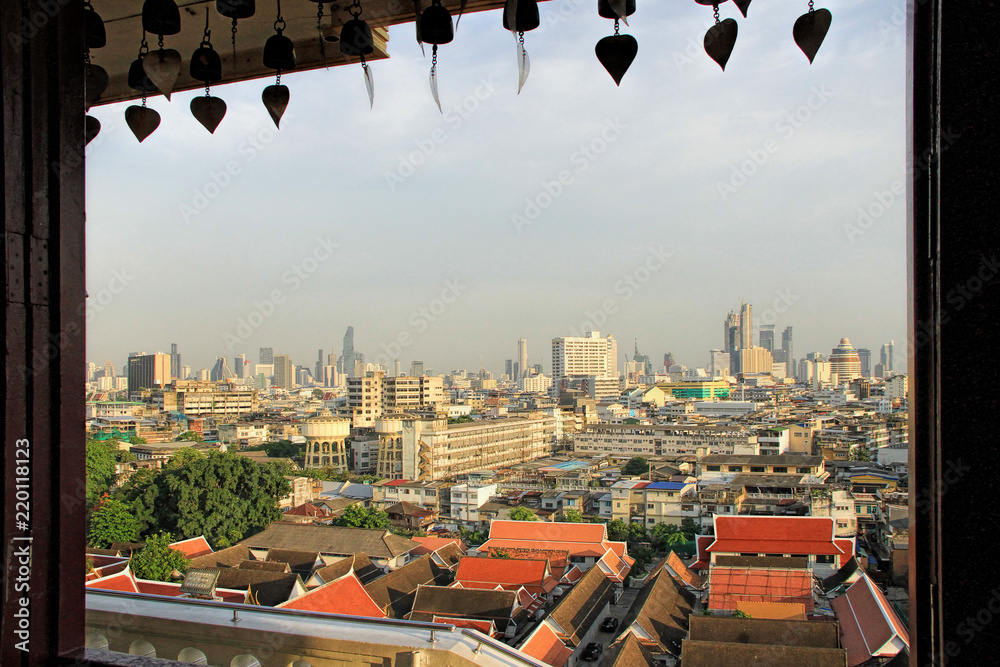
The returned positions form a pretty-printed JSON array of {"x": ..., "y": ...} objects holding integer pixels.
[
  {"x": 779, "y": 611},
  {"x": 344, "y": 596},
  {"x": 681, "y": 570},
  {"x": 548, "y": 531},
  {"x": 729, "y": 585},
  {"x": 869, "y": 626},
  {"x": 430, "y": 544},
  {"x": 545, "y": 645},
  {"x": 776, "y": 534},
  {"x": 522, "y": 572},
  {"x": 193, "y": 547}
]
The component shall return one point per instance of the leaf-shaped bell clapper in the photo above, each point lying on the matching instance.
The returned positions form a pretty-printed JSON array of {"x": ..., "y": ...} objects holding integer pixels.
[
  {"x": 606, "y": 10},
  {"x": 236, "y": 9},
  {"x": 161, "y": 17},
  {"x": 356, "y": 38},
  {"x": 436, "y": 26},
  {"x": 138, "y": 79},
  {"x": 206, "y": 65},
  {"x": 526, "y": 15},
  {"x": 93, "y": 27},
  {"x": 279, "y": 53}
]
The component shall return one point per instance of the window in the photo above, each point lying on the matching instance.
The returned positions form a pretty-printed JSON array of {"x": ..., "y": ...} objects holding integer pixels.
[
  {"x": 758, "y": 469},
  {"x": 649, "y": 506},
  {"x": 823, "y": 558},
  {"x": 714, "y": 468},
  {"x": 780, "y": 469},
  {"x": 735, "y": 468},
  {"x": 804, "y": 470}
]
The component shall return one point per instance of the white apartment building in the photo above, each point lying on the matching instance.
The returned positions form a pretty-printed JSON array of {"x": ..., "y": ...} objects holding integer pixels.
[
  {"x": 537, "y": 384},
  {"x": 660, "y": 439},
  {"x": 466, "y": 499},
  {"x": 590, "y": 358},
  {"x": 373, "y": 395},
  {"x": 434, "y": 449}
]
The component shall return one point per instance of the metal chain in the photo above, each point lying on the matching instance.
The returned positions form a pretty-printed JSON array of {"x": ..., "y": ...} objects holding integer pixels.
[
  {"x": 716, "y": 8},
  {"x": 206, "y": 41},
  {"x": 143, "y": 46},
  {"x": 277, "y": 79},
  {"x": 811, "y": 8},
  {"x": 319, "y": 16},
  {"x": 208, "y": 93},
  {"x": 616, "y": 26},
  {"x": 434, "y": 56},
  {"x": 279, "y": 23},
  {"x": 160, "y": 42},
  {"x": 355, "y": 9},
  {"x": 520, "y": 37},
  {"x": 144, "y": 98}
]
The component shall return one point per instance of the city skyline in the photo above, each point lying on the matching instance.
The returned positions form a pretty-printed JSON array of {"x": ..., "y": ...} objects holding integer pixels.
[{"x": 776, "y": 175}]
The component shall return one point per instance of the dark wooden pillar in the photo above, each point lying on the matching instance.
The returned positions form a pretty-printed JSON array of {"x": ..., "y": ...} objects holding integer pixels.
[
  {"x": 955, "y": 283},
  {"x": 41, "y": 61}
]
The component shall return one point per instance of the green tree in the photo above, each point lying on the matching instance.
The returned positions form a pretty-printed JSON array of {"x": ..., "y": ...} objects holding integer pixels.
[
  {"x": 136, "y": 440},
  {"x": 184, "y": 456},
  {"x": 317, "y": 393},
  {"x": 111, "y": 521},
  {"x": 689, "y": 528},
  {"x": 522, "y": 513},
  {"x": 157, "y": 561},
  {"x": 741, "y": 614},
  {"x": 618, "y": 531},
  {"x": 189, "y": 435},
  {"x": 860, "y": 453},
  {"x": 573, "y": 516},
  {"x": 222, "y": 496},
  {"x": 283, "y": 449},
  {"x": 635, "y": 466},
  {"x": 357, "y": 516},
  {"x": 499, "y": 553},
  {"x": 637, "y": 532},
  {"x": 101, "y": 470}
]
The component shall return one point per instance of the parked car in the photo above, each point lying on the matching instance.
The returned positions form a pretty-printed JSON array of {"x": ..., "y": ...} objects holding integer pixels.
[
  {"x": 592, "y": 652},
  {"x": 610, "y": 624}
]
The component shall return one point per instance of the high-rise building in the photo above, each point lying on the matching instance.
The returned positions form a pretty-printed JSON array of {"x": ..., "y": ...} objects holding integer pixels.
[
  {"x": 718, "y": 363},
  {"x": 786, "y": 345},
  {"x": 844, "y": 361},
  {"x": 284, "y": 371},
  {"x": 146, "y": 371},
  {"x": 397, "y": 369},
  {"x": 318, "y": 374},
  {"x": 240, "y": 366},
  {"x": 522, "y": 357},
  {"x": 508, "y": 369},
  {"x": 731, "y": 333},
  {"x": 350, "y": 357},
  {"x": 175, "y": 361},
  {"x": 766, "y": 337},
  {"x": 668, "y": 361},
  {"x": 185, "y": 372},
  {"x": 886, "y": 357},
  {"x": 109, "y": 369},
  {"x": 266, "y": 355},
  {"x": 754, "y": 360},
  {"x": 746, "y": 326},
  {"x": 585, "y": 357},
  {"x": 221, "y": 371},
  {"x": 416, "y": 368},
  {"x": 865, "y": 355}
]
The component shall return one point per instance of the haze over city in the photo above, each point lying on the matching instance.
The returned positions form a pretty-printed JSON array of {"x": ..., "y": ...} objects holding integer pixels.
[{"x": 646, "y": 211}]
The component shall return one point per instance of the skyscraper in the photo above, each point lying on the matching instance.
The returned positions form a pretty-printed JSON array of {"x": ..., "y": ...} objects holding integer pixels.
[
  {"x": 175, "y": 361},
  {"x": 397, "y": 369},
  {"x": 886, "y": 357},
  {"x": 786, "y": 345},
  {"x": 668, "y": 361},
  {"x": 508, "y": 369},
  {"x": 146, "y": 371},
  {"x": 585, "y": 356},
  {"x": 240, "y": 366},
  {"x": 731, "y": 335},
  {"x": 522, "y": 358},
  {"x": 767, "y": 337},
  {"x": 318, "y": 374},
  {"x": 266, "y": 355},
  {"x": 222, "y": 371},
  {"x": 746, "y": 326},
  {"x": 284, "y": 371},
  {"x": 865, "y": 355},
  {"x": 416, "y": 368},
  {"x": 844, "y": 361}
]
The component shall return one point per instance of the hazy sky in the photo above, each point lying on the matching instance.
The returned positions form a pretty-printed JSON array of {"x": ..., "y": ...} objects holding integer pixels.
[{"x": 683, "y": 191}]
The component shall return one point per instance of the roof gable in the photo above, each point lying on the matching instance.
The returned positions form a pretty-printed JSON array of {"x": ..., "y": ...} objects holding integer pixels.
[{"x": 344, "y": 596}]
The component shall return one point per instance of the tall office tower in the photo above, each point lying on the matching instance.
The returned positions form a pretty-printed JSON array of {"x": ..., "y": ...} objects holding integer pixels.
[
  {"x": 303, "y": 375},
  {"x": 746, "y": 326},
  {"x": 221, "y": 372},
  {"x": 886, "y": 357},
  {"x": 185, "y": 372},
  {"x": 240, "y": 366},
  {"x": 508, "y": 369},
  {"x": 330, "y": 376},
  {"x": 266, "y": 355},
  {"x": 397, "y": 369},
  {"x": 731, "y": 333},
  {"x": 318, "y": 373},
  {"x": 517, "y": 370},
  {"x": 284, "y": 371},
  {"x": 416, "y": 368},
  {"x": 767, "y": 337},
  {"x": 91, "y": 369},
  {"x": 786, "y": 345},
  {"x": 146, "y": 371},
  {"x": 348, "y": 352},
  {"x": 522, "y": 357},
  {"x": 845, "y": 361},
  {"x": 109, "y": 369},
  {"x": 175, "y": 361},
  {"x": 536, "y": 369},
  {"x": 718, "y": 363},
  {"x": 668, "y": 361},
  {"x": 865, "y": 355},
  {"x": 755, "y": 360},
  {"x": 203, "y": 375}
]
